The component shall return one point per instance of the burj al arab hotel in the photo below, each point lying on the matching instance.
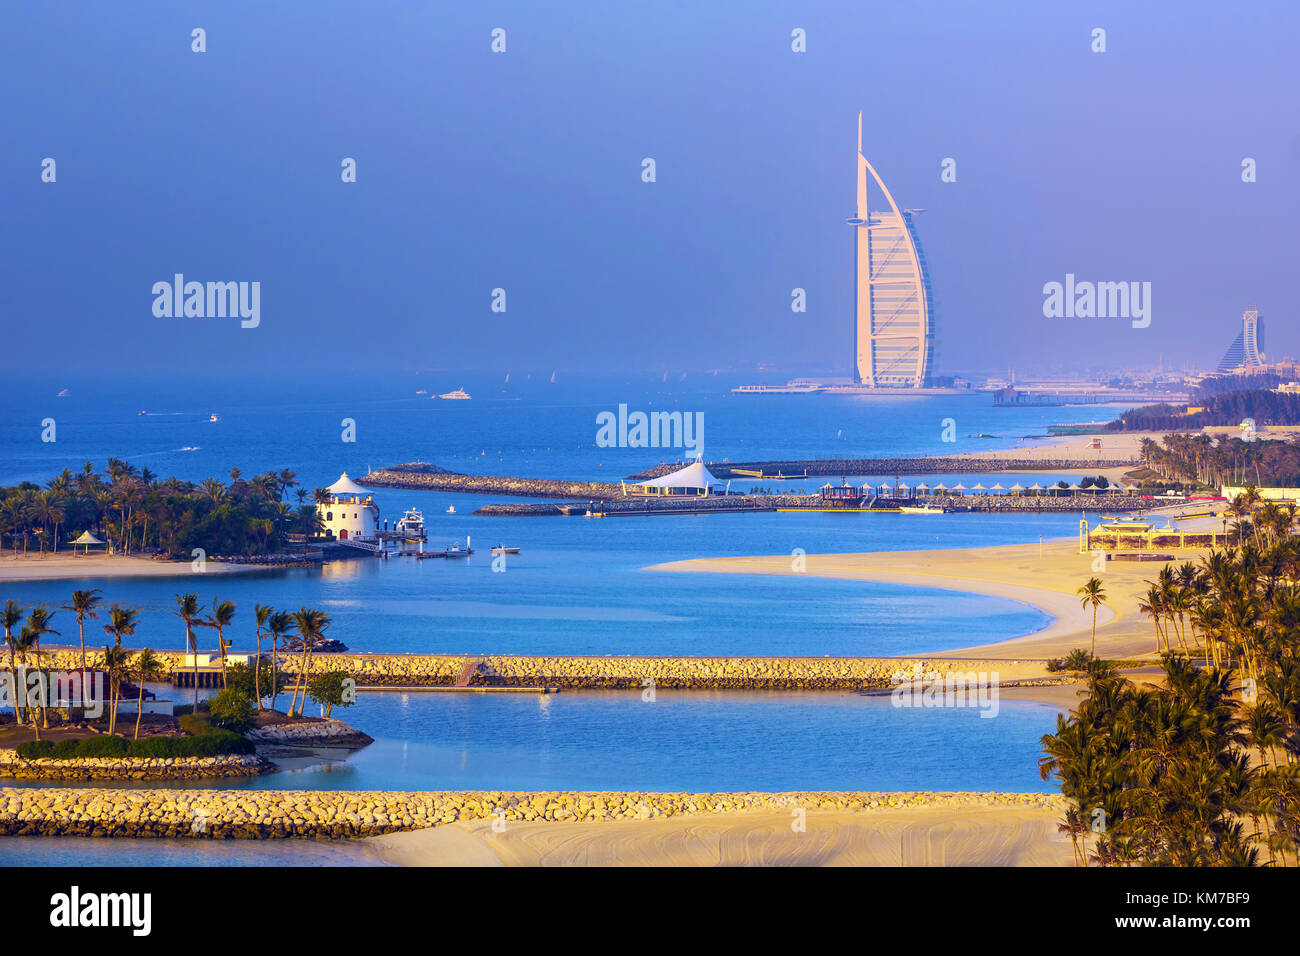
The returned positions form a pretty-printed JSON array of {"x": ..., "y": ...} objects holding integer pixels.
[{"x": 893, "y": 317}]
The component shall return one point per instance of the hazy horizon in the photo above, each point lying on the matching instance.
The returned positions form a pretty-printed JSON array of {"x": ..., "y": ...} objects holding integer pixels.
[{"x": 522, "y": 170}]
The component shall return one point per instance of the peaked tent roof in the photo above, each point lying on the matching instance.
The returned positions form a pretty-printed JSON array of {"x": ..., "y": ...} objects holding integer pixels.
[
  {"x": 346, "y": 486},
  {"x": 694, "y": 475},
  {"x": 87, "y": 538}
]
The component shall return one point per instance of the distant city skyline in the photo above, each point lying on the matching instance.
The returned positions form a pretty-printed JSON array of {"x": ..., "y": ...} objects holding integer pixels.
[{"x": 525, "y": 172}]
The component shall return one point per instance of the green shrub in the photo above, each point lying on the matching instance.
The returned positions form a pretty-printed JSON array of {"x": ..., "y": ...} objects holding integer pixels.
[
  {"x": 195, "y": 724},
  {"x": 241, "y": 678},
  {"x": 102, "y": 747},
  {"x": 333, "y": 689},
  {"x": 33, "y": 749},
  {"x": 65, "y": 749},
  {"x": 213, "y": 744},
  {"x": 231, "y": 710}
]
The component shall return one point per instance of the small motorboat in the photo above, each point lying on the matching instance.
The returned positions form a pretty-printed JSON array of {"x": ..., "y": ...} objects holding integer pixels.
[
  {"x": 213, "y": 417},
  {"x": 451, "y": 510},
  {"x": 502, "y": 549},
  {"x": 922, "y": 510}
]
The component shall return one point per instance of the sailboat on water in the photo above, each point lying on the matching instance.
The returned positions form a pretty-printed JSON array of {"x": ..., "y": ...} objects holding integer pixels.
[{"x": 552, "y": 377}]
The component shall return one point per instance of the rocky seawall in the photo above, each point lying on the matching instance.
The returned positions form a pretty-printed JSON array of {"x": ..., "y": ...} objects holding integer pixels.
[
  {"x": 328, "y": 731},
  {"x": 399, "y": 476},
  {"x": 939, "y": 465},
  {"x": 994, "y": 503},
  {"x": 132, "y": 768},
  {"x": 269, "y": 814},
  {"x": 608, "y": 672}
]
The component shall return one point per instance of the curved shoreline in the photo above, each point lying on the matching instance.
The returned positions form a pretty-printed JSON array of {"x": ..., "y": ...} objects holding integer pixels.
[{"x": 1013, "y": 572}]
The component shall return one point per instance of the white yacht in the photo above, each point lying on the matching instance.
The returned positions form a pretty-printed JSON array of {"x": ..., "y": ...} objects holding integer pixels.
[
  {"x": 460, "y": 395},
  {"x": 412, "y": 524}
]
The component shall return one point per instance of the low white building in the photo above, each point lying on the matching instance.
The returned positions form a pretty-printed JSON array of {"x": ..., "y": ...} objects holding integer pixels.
[{"x": 350, "y": 511}]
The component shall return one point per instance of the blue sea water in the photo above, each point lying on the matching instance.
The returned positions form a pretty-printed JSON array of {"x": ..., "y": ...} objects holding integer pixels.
[{"x": 578, "y": 587}]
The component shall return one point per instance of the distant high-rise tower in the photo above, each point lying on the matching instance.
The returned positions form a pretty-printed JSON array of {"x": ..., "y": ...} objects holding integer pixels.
[
  {"x": 1246, "y": 353},
  {"x": 893, "y": 338}
]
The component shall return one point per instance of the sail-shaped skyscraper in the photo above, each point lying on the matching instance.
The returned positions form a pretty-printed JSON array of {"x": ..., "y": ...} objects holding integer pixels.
[{"x": 893, "y": 311}]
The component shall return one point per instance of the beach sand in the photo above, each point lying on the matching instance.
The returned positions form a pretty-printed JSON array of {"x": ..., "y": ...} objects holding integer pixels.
[
  {"x": 63, "y": 566},
  {"x": 932, "y": 836},
  {"x": 1015, "y": 572}
]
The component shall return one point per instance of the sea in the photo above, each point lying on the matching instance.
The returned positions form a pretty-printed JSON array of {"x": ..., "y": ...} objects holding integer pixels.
[{"x": 577, "y": 586}]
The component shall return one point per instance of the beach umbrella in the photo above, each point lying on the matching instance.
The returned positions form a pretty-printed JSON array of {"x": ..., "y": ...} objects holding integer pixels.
[
  {"x": 959, "y": 488},
  {"x": 978, "y": 487},
  {"x": 1017, "y": 487},
  {"x": 939, "y": 487}
]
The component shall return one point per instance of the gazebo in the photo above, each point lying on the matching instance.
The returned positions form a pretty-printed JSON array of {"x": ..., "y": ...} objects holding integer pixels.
[{"x": 86, "y": 539}]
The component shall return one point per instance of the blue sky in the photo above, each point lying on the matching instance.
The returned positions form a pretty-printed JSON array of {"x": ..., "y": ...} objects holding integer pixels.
[{"x": 522, "y": 171}]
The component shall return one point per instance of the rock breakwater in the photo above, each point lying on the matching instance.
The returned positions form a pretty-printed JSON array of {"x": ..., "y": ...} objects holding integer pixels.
[{"x": 270, "y": 814}]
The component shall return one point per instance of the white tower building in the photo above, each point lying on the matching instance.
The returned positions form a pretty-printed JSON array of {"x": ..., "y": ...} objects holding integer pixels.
[{"x": 350, "y": 511}]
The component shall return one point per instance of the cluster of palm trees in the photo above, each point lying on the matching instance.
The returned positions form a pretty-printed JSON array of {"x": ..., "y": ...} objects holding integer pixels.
[
  {"x": 1227, "y": 461},
  {"x": 23, "y": 642},
  {"x": 291, "y": 631},
  {"x": 134, "y": 510},
  {"x": 295, "y": 632},
  {"x": 1206, "y": 769}
]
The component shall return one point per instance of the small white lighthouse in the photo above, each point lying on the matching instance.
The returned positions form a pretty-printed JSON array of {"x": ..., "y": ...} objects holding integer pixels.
[{"x": 350, "y": 511}]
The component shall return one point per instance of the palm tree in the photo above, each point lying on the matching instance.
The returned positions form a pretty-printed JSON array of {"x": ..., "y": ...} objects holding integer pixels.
[
  {"x": 188, "y": 609},
  {"x": 26, "y": 643},
  {"x": 84, "y": 603},
  {"x": 38, "y": 625},
  {"x": 115, "y": 663},
  {"x": 1092, "y": 593},
  {"x": 263, "y": 614},
  {"x": 10, "y": 616},
  {"x": 223, "y": 613},
  {"x": 147, "y": 667},
  {"x": 311, "y": 625},
  {"x": 278, "y": 625}
]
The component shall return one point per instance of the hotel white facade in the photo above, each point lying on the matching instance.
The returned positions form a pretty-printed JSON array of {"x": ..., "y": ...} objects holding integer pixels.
[{"x": 893, "y": 314}]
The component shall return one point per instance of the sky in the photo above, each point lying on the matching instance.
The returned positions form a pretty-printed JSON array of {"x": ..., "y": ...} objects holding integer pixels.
[{"x": 523, "y": 170}]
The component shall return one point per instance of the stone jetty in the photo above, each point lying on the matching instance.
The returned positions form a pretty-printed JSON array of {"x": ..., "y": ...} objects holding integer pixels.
[
  {"x": 604, "y": 672},
  {"x": 419, "y": 475},
  {"x": 938, "y": 465},
  {"x": 269, "y": 814},
  {"x": 132, "y": 768}
]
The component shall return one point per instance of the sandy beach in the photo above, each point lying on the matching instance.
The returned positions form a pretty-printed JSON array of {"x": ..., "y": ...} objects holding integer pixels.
[
  {"x": 66, "y": 566},
  {"x": 923, "y": 836},
  {"x": 1016, "y": 572}
]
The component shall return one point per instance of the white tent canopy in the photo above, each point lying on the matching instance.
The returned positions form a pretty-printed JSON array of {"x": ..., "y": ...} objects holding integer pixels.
[
  {"x": 346, "y": 486},
  {"x": 87, "y": 538},
  {"x": 694, "y": 475}
]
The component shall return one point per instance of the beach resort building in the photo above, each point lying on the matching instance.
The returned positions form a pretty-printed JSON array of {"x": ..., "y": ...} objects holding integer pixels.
[
  {"x": 349, "y": 511},
  {"x": 893, "y": 311}
]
